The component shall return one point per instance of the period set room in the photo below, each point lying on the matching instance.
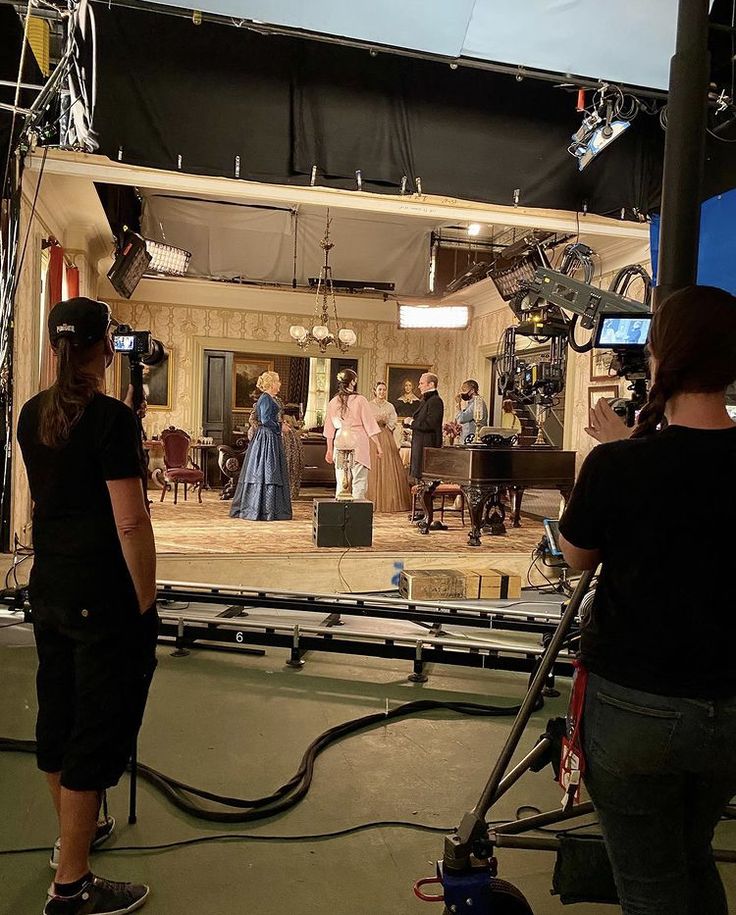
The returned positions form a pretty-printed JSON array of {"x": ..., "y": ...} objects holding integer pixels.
[{"x": 317, "y": 322}]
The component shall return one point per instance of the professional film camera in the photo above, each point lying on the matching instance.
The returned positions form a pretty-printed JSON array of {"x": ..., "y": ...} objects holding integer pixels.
[
  {"x": 549, "y": 304},
  {"x": 141, "y": 348}
]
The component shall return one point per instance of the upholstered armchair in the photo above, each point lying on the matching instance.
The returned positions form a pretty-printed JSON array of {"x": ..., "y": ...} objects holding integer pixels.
[{"x": 178, "y": 467}]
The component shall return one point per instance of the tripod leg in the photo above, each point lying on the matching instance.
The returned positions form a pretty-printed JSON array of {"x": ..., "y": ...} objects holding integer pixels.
[{"x": 458, "y": 846}]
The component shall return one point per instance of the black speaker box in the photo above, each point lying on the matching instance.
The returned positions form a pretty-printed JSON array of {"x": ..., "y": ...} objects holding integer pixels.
[{"x": 342, "y": 524}]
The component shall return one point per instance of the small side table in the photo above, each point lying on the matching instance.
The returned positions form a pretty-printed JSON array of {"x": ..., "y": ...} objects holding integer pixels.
[{"x": 200, "y": 453}]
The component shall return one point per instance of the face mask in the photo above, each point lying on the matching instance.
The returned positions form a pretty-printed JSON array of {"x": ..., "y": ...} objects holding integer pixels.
[{"x": 466, "y": 396}]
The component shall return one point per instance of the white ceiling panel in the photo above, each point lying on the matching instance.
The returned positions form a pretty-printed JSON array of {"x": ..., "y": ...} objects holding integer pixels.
[{"x": 628, "y": 41}]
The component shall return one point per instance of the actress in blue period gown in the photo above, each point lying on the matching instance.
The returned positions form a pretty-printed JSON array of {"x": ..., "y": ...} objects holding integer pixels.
[{"x": 263, "y": 491}]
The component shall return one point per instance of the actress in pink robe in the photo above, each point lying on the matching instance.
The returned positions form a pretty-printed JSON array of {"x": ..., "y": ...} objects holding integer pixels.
[{"x": 350, "y": 409}]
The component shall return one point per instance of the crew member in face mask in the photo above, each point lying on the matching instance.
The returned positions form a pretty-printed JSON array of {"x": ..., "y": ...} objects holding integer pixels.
[{"x": 471, "y": 408}]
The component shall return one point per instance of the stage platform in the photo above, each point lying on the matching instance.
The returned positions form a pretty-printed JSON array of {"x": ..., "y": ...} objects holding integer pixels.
[{"x": 202, "y": 543}]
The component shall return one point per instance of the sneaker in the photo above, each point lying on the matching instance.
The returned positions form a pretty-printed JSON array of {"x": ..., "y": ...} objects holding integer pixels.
[
  {"x": 103, "y": 833},
  {"x": 99, "y": 897}
]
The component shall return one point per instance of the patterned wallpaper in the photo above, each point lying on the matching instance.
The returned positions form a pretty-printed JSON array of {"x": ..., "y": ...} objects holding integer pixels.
[{"x": 382, "y": 343}]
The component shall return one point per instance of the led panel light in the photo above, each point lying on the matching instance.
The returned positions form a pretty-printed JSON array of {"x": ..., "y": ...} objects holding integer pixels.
[
  {"x": 167, "y": 259},
  {"x": 433, "y": 316}
]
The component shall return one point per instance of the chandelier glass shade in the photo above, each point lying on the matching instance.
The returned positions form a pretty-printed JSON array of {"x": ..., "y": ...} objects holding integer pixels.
[{"x": 325, "y": 311}]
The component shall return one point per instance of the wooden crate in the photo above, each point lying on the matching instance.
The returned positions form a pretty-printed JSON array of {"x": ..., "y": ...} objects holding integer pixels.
[
  {"x": 431, "y": 584},
  {"x": 493, "y": 584}
]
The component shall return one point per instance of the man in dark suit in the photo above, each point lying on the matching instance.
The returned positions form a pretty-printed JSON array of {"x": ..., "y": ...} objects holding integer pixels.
[{"x": 426, "y": 427}]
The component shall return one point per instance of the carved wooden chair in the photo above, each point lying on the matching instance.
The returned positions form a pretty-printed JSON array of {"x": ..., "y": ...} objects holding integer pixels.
[
  {"x": 178, "y": 467},
  {"x": 443, "y": 492},
  {"x": 230, "y": 459}
]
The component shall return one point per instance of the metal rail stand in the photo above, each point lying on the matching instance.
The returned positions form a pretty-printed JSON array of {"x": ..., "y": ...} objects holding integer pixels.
[{"x": 467, "y": 872}]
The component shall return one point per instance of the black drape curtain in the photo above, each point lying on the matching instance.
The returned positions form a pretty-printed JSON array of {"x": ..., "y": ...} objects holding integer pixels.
[
  {"x": 209, "y": 93},
  {"x": 298, "y": 389},
  {"x": 11, "y": 43}
]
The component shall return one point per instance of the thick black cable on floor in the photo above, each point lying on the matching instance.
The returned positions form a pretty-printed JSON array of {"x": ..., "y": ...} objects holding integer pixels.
[{"x": 296, "y": 788}]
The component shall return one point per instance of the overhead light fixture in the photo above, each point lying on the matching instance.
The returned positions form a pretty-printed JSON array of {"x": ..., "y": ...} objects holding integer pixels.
[
  {"x": 602, "y": 124},
  {"x": 440, "y": 317},
  {"x": 166, "y": 259},
  {"x": 320, "y": 334},
  {"x": 474, "y": 228}
]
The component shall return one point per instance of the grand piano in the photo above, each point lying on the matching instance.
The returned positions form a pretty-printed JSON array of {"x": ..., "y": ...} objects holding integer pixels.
[{"x": 483, "y": 473}]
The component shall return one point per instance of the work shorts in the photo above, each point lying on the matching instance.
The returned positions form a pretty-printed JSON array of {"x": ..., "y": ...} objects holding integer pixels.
[{"x": 95, "y": 665}]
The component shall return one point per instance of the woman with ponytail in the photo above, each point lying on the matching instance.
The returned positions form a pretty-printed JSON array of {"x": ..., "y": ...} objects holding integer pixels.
[
  {"x": 92, "y": 591},
  {"x": 659, "y": 726},
  {"x": 350, "y": 410}
]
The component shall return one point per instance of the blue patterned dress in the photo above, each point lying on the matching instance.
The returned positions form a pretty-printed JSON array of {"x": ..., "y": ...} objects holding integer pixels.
[{"x": 262, "y": 493}]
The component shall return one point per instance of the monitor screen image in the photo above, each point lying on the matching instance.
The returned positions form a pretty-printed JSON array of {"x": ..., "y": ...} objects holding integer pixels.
[{"x": 623, "y": 331}]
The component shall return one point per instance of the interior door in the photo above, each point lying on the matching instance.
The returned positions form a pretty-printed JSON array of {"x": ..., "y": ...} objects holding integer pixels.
[
  {"x": 337, "y": 365},
  {"x": 217, "y": 407}
]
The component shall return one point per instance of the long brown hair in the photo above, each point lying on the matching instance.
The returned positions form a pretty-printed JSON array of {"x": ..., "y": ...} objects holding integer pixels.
[
  {"x": 345, "y": 378},
  {"x": 66, "y": 400},
  {"x": 693, "y": 338}
]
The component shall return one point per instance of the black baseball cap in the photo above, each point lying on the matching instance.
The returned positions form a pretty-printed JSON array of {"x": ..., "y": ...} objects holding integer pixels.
[{"x": 84, "y": 321}]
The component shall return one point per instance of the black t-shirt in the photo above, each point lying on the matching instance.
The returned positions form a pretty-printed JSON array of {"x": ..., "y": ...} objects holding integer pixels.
[
  {"x": 78, "y": 557},
  {"x": 661, "y": 510}
]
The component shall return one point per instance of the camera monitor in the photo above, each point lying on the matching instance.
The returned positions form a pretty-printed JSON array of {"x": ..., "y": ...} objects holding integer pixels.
[
  {"x": 552, "y": 530},
  {"x": 619, "y": 329},
  {"x": 124, "y": 343}
]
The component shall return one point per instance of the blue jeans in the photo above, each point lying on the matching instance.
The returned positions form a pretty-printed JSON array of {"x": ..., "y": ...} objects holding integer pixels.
[{"x": 660, "y": 772}]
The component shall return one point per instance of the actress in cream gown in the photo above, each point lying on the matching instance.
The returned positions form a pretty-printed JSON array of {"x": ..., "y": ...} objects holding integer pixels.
[{"x": 388, "y": 483}]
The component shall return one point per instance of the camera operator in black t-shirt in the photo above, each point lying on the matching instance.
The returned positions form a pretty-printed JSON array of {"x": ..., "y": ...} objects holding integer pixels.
[
  {"x": 92, "y": 592},
  {"x": 659, "y": 726}
]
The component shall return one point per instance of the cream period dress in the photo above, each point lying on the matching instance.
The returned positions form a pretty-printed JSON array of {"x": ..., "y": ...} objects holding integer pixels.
[{"x": 388, "y": 483}]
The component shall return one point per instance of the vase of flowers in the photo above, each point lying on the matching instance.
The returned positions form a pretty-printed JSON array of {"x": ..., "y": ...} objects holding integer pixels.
[{"x": 450, "y": 431}]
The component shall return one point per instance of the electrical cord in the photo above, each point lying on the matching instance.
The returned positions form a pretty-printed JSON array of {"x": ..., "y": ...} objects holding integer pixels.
[{"x": 296, "y": 788}]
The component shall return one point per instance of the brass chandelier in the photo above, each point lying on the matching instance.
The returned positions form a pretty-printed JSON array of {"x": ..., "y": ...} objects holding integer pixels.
[{"x": 320, "y": 334}]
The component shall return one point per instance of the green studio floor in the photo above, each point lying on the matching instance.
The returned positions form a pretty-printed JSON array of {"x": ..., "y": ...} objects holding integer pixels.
[{"x": 238, "y": 725}]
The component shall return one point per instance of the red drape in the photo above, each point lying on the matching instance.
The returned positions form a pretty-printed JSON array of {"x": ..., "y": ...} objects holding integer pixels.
[{"x": 54, "y": 292}]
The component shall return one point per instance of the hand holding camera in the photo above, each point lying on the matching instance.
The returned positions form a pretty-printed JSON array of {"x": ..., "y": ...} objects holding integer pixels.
[{"x": 605, "y": 425}]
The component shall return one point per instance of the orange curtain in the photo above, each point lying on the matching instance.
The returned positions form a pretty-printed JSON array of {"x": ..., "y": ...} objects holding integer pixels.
[{"x": 54, "y": 282}]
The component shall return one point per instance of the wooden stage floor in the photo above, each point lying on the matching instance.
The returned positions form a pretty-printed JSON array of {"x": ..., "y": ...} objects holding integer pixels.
[{"x": 191, "y": 528}]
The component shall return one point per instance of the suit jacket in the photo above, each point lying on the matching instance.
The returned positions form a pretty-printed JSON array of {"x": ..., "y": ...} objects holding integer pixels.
[{"x": 426, "y": 430}]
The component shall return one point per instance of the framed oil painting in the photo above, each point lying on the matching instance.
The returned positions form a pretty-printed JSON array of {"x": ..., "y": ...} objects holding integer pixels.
[
  {"x": 157, "y": 381},
  {"x": 607, "y": 390},
  {"x": 246, "y": 371},
  {"x": 600, "y": 364},
  {"x": 403, "y": 387}
]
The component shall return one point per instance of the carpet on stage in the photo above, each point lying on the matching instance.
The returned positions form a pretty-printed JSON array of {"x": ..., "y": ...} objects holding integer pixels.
[{"x": 207, "y": 528}]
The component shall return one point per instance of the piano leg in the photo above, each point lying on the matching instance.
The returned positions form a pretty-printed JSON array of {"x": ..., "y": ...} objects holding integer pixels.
[
  {"x": 495, "y": 514},
  {"x": 427, "y": 497},
  {"x": 517, "y": 494},
  {"x": 476, "y": 498}
]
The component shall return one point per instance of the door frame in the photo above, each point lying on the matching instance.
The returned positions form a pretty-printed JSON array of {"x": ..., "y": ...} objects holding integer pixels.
[{"x": 196, "y": 347}]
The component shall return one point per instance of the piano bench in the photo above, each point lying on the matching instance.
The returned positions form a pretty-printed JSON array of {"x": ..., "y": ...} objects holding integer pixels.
[{"x": 443, "y": 491}]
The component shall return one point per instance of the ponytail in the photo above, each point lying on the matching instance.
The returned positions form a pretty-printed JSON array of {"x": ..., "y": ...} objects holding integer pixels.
[
  {"x": 689, "y": 359},
  {"x": 345, "y": 378},
  {"x": 651, "y": 415},
  {"x": 66, "y": 400}
]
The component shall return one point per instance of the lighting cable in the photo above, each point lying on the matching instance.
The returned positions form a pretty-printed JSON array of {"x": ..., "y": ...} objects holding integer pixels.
[{"x": 289, "y": 794}]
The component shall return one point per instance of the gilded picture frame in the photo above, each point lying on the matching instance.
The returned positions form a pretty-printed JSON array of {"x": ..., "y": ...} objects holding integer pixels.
[
  {"x": 402, "y": 382},
  {"x": 599, "y": 391},
  {"x": 246, "y": 371},
  {"x": 157, "y": 381}
]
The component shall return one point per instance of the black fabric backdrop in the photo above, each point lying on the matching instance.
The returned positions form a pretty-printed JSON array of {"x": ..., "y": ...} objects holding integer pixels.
[
  {"x": 11, "y": 35},
  {"x": 211, "y": 92}
]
